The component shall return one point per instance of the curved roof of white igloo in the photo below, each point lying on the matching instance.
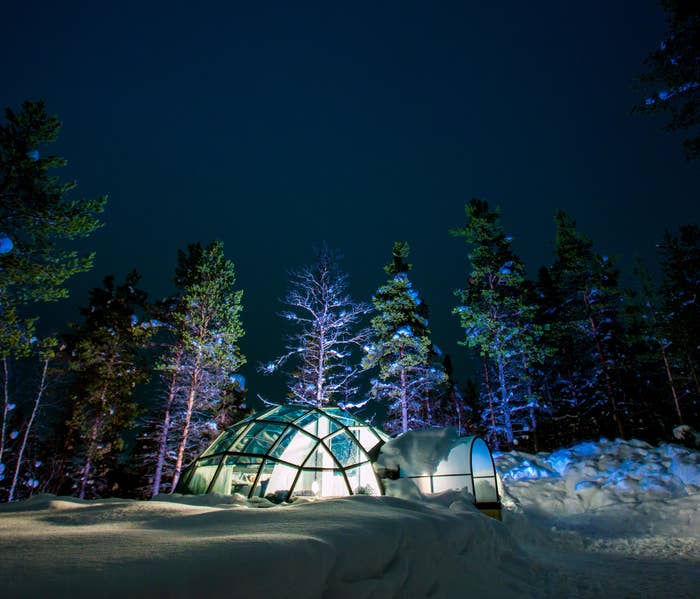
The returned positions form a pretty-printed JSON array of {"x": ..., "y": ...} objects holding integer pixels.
[{"x": 289, "y": 450}]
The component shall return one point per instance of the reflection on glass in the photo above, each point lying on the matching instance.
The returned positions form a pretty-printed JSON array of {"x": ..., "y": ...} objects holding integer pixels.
[
  {"x": 362, "y": 480},
  {"x": 482, "y": 464},
  {"x": 485, "y": 490},
  {"x": 289, "y": 449},
  {"x": 201, "y": 477}
]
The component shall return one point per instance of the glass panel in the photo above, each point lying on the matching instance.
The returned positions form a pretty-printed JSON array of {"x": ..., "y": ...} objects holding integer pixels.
[
  {"x": 286, "y": 413},
  {"x": 317, "y": 424},
  {"x": 457, "y": 461},
  {"x": 237, "y": 475},
  {"x": 342, "y": 417},
  {"x": 485, "y": 490},
  {"x": 224, "y": 440},
  {"x": 280, "y": 482},
  {"x": 204, "y": 471},
  {"x": 364, "y": 434},
  {"x": 345, "y": 448},
  {"x": 327, "y": 483},
  {"x": 309, "y": 418},
  {"x": 445, "y": 483},
  {"x": 320, "y": 458},
  {"x": 263, "y": 438},
  {"x": 294, "y": 447},
  {"x": 362, "y": 480},
  {"x": 423, "y": 483},
  {"x": 253, "y": 431},
  {"x": 264, "y": 479},
  {"x": 482, "y": 463}
]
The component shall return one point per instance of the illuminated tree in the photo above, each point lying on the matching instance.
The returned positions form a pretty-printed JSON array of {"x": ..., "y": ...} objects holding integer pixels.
[
  {"x": 498, "y": 320},
  {"x": 401, "y": 349},
  {"x": 106, "y": 356},
  {"x": 453, "y": 407},
  {"x": 680, "y": 309},
  {"x": 580, "y": 306},
  {"x": 674, "y": 73},
  {"x": 36, "y": 218},
  {"x": 327, "y": 320},
  {"x": 204, "y": 356}
]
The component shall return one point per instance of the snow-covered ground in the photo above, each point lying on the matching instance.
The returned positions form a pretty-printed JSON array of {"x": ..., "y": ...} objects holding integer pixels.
[{"x": 603, "y": 519}]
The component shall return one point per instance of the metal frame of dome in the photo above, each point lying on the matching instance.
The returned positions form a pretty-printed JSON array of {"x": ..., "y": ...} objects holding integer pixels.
[{"x": 284, "y": 439}]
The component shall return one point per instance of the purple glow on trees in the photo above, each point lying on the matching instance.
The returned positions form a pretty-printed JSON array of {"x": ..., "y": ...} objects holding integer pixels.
[{"x": 328, "y": 323}]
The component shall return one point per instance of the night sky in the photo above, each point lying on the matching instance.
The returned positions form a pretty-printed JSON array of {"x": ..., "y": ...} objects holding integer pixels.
[{"x": 274, "y": 126}]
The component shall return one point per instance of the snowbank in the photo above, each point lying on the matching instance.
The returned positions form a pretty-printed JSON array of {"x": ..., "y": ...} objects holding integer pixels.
[
  {"x": 610, "y": 518},
  {"x": 600, "y": 474},
  {"x": 353, "y": 547}
]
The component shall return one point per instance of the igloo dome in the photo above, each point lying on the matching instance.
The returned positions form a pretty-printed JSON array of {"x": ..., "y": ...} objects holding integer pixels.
[{"x": 289, "y": 451}]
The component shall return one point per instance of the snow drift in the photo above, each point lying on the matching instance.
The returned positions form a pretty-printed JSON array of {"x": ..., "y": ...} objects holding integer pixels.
[{"x": 597, "y": 519}]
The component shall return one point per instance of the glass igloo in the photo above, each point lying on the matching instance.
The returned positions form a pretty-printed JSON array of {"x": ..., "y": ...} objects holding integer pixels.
[{"x": 289, "y": 451}]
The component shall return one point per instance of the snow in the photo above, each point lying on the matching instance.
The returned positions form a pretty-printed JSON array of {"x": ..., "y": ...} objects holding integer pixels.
[
  {"x": 599, "y": 519},
  {"x": 423, "y": 450}
]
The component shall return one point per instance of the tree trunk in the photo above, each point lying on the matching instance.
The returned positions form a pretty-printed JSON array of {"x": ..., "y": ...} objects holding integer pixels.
[
  {"x": 694, "y": 374},
  {"x": 194, "y": 383},
  {"x": 458, "y": 408},
  {"x": 28, "y": 428},
  {"x": 601, "y": 357},
  {"x": 489, "y": 395},
  {"x": 404, "y": 403},
  {"x": 505, "y": 404},
  {"x": 5, "y": 405},
  {"x": 671, "y": 383},
  {"x": 163, "y": 441},
  {"x": 92, "y": 445},
  {"x": 320, "y": 368},
  {"x": 531, "y": 407}
]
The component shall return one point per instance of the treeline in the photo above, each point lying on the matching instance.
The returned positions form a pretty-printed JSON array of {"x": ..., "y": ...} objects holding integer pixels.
[{"x": 566, "y": 356}]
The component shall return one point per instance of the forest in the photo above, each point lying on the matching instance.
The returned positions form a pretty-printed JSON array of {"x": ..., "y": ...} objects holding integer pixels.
[{"x": 120, "y": 402}]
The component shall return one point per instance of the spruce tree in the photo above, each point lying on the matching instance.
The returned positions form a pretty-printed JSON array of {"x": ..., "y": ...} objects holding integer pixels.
[
  {"x": 106, "y": 354},
  {"x": 580, "y": 304},
  {"x": 680, "y": 308},
  {"x": 452, "y": 408},
  {"x": 654, "y": 365},
  {"x": 402, "y": 350},
  {"x": 673, "y": 75},
  {"x": 327, "y": 323},
  {"x": 498, "y": 321}
]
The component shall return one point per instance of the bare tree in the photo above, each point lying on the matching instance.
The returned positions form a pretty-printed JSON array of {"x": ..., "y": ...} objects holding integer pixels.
[{"x": 328, "y": 329}]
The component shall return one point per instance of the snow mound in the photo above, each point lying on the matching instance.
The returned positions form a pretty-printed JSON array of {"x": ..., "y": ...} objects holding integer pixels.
[
  {"x": 609, "y": 489},
  {"x": 599, "y": 519},
  {"x": 423, "y": 450},
  {"x": 189, "y": 546}
]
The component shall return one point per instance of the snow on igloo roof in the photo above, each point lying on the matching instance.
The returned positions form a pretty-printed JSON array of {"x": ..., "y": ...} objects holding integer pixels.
[{"x": 289, "y": 450}]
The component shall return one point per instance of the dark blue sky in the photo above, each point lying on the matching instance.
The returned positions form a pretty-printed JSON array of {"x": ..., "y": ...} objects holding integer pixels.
[{"x": 276, "y": 125}]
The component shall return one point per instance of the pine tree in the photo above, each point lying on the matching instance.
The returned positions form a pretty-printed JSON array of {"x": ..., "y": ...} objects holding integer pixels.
[
  {"x": 205, "y": 353},
  {"x": 580, "y": 302},
  {"x": 498, "y": 321},
  {"x": 106, "y": 354},
  {"x": 673, "y": 78},
  {"x": 402, "y": 350},
  {"x": 35, "y": 219},
  {"x": 327, "y": 320},
  {"x": 451, "y": 407},
  {"x": 654, "y": 366},
  {"x": 680, "y": 308}
]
